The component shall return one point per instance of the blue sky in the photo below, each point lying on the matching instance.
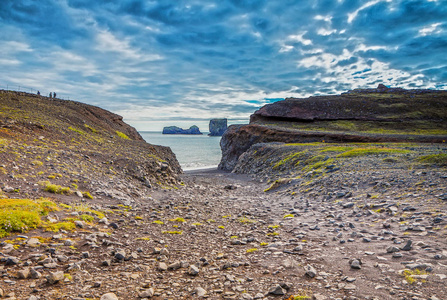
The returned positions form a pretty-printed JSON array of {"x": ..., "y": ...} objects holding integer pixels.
[{"x": 178, "y": 62}]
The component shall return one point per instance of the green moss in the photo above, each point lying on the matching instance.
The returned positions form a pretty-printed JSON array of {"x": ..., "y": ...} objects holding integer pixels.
[
  {"x": 179, "y": 219},
  {"x": 246, "y": 221},
  {"x": 76, "y": 130},
  {"x": 277, "y": 183},
  {"x": 434, "y": 159},
  {"x": 252, "y": 250},
  {"x": 87, "y": 195},
  {"x": 57, "y": 189},
  {"x": 87, "y": 218},
  {"x": 172, "y": 232},
  {"x": 158, "y": 222},
  {"x": 90, "y": 128},
  {"x": 291, "y": 157},
  {"x": 86, "y": 209},
  {"x": 371, "y": 151},
  {"x": 56, "y": 227},
  {"x": 122, "y": 135}
]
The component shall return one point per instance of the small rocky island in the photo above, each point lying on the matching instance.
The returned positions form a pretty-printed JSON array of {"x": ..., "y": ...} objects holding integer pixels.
[
  {"x": 177, "y": 130},
  {"x": 217, "y": 127}
]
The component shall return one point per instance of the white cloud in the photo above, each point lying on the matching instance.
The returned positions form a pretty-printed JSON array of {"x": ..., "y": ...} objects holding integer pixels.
[
  {"x": 107, "y": 42},
  {"x": 354, "y": 14},
  {"x": 429, "y": 30},
  {"x": 299, "y": 38}
]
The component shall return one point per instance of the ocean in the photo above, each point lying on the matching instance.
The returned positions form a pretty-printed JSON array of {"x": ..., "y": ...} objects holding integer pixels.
[{"x": 192, "y": 151}]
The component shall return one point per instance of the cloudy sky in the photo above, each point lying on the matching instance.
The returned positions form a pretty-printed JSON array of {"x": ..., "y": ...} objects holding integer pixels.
[{"x": 182, "y": 62}]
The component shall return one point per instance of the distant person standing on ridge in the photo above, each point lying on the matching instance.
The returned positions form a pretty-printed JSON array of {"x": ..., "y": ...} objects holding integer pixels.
[
  {"x": 38, "y": 93},
  {"x": 54, "y": 94},
  {"x": 51, "y": 95}
]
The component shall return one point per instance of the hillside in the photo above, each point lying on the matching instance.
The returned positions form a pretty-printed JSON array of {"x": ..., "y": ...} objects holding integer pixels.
[{"x": 66, "y": 142}]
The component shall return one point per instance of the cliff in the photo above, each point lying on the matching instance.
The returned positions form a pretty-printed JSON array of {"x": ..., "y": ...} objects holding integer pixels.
[
  {"x": 368, "y": 115},
  {"x": 177, "y": 130},
  {"x": 78, "y": 142}
]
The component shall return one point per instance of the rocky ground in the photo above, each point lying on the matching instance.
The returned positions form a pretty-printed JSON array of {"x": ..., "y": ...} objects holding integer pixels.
[
  {"x": 373, "y": 233},
  {"x": 90, "y": 211}
]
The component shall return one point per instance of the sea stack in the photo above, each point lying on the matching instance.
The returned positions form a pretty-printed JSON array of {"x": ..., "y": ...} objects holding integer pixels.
[
  {"x": 177, "y": 130},
  {"x": 218, "y": 127}
]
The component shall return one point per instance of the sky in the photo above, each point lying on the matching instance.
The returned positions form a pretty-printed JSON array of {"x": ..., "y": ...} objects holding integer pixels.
[{"x": 183, "y": 62}]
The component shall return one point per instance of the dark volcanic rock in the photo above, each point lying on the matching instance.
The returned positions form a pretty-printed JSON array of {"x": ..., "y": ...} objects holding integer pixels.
[
  {"x": 218, "y": 127},
  {"x": 368, "y": 105},
  {"x": 396, "y": 114},
  {"x": 177, "y": 130}
]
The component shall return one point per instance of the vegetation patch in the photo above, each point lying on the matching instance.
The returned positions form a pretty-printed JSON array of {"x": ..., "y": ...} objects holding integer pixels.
[
  {"x": 291, "y": 157},
  {"x": 371, "y": 151},
  {"x": 56, "y": 227},
  {"x": 434, "y": 159},
  {"x": 87, "y": 195},
  {"x": 76, "y": 130},
  {"x": 90, "y": 128},
  {"x": 277, "y": 183},
  {"x": 21, "y": 215},
  {"x": 172, "y": 232},
  {"x": 179, "y": 219},
  {"x": 246, "y": 221},
  {"x": 56, "y": 189},
  {"x": 122, "y": 135}
]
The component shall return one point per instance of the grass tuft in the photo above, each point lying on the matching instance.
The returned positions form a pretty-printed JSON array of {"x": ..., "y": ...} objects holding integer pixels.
[{"x": 434, "y": 159}]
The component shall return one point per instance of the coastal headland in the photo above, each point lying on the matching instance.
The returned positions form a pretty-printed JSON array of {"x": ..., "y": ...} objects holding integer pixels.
[{"x": 334, "y": 197}]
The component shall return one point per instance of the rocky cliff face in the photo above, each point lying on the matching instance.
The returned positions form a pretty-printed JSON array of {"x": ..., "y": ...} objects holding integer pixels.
[
  {"x": 372, "y": 115},
  {"x": 217, "y": 127},
  {"x": 177, "y": 130}
]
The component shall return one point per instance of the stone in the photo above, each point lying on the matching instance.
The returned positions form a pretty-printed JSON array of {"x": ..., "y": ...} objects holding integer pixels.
[
  {"x": 392, "y": 249},
  {"x": 318, "y": 297},
  {"x": 200, "y": 292},
  {"x": 79, "y": 224},
  {"x": 193, "y": 270},
  {"x": 55, "y": 277},
  {"x": 356, "y": 264},
  {"x": 35, "y": 274},
  {"x": 33, "y": 242},
  {"x": 120, "y": 254},
  {"x": 408, "y": 246},
  {"x": 162, "y": 266},
  {"x": 147, "y": 293},
  {"x": 310, "y": 271},
  {"x": 174, "y": 266},
  {"x": 109, "y": 296},
  {"x": 12, "y": 261},
  {"x": 23, "y": 274},
  {"x": 277, "y": 291}
]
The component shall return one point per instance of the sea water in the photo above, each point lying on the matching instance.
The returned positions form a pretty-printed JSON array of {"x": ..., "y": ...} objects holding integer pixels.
[{"x": 192, "y": 151}]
